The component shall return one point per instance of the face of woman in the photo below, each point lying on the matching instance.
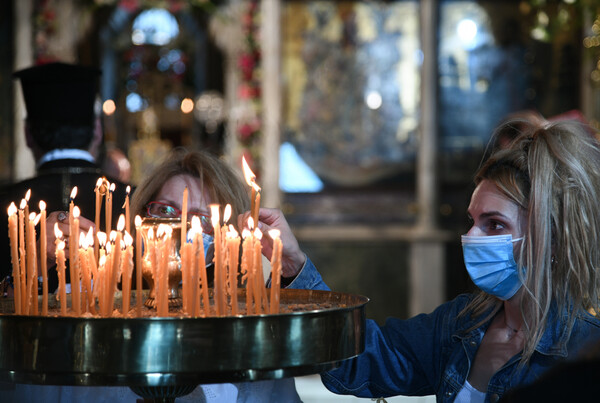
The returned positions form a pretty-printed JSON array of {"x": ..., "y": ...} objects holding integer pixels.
[
  {"x": 493, "y": 213},
  {"x": 172, "y": 193}
]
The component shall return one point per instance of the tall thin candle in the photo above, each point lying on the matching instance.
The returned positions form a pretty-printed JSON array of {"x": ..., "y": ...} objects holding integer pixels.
[
  {"x": 233, "y": 246},
  {"x": 74, "y": 267},
  {"x": 127, "y": 222},
  {"x": 23, "y": 258},
  {"x": 126, "y": 269},
  {"x": 275, "y": 271},
  {"x": 202, "y": 281},
  {"x": 32, "y": 266},
  {"x": 217, "y": 259},
  {"x": 13, "y": 233},
  {"x": 99, "y": 193},
  {"x": 43, "y": 264},
  {"x": 184, "y": 204},
  {"x": 138, "y": 265}
]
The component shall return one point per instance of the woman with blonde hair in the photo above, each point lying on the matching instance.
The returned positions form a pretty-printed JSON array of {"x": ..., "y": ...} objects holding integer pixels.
[{"x": 533, "y": 252}]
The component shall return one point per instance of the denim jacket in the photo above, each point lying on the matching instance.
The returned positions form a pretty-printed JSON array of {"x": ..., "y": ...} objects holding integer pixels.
[{"x": 430, "y": 354}]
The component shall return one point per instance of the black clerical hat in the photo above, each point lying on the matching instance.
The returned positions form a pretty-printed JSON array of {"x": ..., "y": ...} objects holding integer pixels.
[{"x": 59, "y": 93}]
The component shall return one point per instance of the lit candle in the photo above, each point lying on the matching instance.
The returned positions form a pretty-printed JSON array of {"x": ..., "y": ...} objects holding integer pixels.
[
  {"x": 87, "y": 257},
  {"x": 26, "y": 213},
  {"x": 259, "y": 281},
  {"x": 23, "y": 258},
  {"x": 126, "y": 269},
  {"x": 116, "y": 262},
  {"x": 13, "y": 233},
  {"x": 60, "y": 269},
  {"x": 202, "y": 281},
  {"x": 43, "y": 267},
  {"x": 92, "y": 270},
  {"x": 127, "y": 223},
  {"x": 138, "y": 265},
  {"x": 247, "y": 261},
  {"x": 255, "y": 198},
  {"x": 108, "y": 212},
  {"x": 98, "y": 273},
  {"x": 275, "y": 270},
  {"x": 218, "y": 263},
  {"x": 184, "y": 204},
  {"x": 185, "y": 252},
  {"x": 74, "y": 267},
  {"x": 32, "y": 266},
  {"x": 224, "y": 257},
  {"x": 99, "y": 190},
  {"x": 164, "y": 234},
  {"x": 100, "y": 284},
  {"x": 233, "y": 247}
]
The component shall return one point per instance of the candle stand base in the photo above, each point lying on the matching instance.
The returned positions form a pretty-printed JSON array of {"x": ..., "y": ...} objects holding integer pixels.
[
  {"x": 162, "y": 394},
  {"x": 162, "y": 358}
]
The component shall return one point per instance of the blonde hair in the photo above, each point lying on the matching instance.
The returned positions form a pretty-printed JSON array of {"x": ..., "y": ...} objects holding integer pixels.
[
  {"x": 552, "y": 172},
  {"x": 222, "y": 183}
]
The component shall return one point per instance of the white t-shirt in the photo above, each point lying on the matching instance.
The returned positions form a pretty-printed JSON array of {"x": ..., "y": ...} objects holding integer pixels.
[{"x": 468, "y": 394}]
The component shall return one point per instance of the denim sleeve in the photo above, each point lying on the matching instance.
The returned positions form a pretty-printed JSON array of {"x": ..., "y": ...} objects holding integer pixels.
[
  {"x": 403, "y": 357},
  {"x": 308, "y": 278}
]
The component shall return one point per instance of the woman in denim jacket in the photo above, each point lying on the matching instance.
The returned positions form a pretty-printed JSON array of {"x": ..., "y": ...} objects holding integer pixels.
[{"x": 534, "y": 252}]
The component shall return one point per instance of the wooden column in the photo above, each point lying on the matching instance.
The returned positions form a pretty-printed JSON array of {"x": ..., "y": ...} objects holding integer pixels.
[
  {"x": 271, "y": 99},
  {"x": 427, "y": 250}
]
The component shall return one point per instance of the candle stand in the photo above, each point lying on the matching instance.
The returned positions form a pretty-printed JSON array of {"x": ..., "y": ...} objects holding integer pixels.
[{"x": 164, "y": 358}]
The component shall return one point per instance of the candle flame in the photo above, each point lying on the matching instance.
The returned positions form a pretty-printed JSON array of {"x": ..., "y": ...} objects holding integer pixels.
[
  {"x": 274, "y": 233},
  {"x": 28, "y": 195},
  {"x": 214, "y": 215},
  {"x": 128, "y": 239},
  {"x": 23, "y": 204},
  {"x": 73, "y": 192},
  {"x": 83, "y": 243},
  {"x": 150, "y": 234},
  {"x": 101, "y": 238},
  {"x": 42, "y": 205},
  {"x": 113, "y": 236},
  {"x": 12, "y": 209},
  {"x": 227, "y": 213},
  {"x": 31, "y": 216},
  {"x": 128, "y": 189},
  {"x": 196, "y": 227},
  {"x": 57, "y": 232},
  {"x": 37, "y": 219},
  {"x": 109, "y": 248},
  {"x": 248, "y": 174},
  {"x": 102, "y": 260},
  {"x": 232, "y": 233},
  {"x": 258, "y": 234},
  {"x": 112, "y": 187},
  {"x": 76, "y": 212},
  {"x": 246, "y": 233},
  {"x": 61, "y": 245},
  {"x": 99, "y": 182},
  {"x": 138, "y": 221},
  {"x": 251, "y": 223},
  {"x": 121, "y": 223},
  {"x": 89, "y": 238}
]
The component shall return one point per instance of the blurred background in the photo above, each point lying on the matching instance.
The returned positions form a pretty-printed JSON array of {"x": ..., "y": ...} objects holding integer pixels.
[{"x": 364, "y": 120}]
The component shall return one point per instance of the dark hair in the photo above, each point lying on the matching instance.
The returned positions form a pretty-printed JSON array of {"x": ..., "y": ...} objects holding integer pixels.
[{"x": 50, "y": 136}]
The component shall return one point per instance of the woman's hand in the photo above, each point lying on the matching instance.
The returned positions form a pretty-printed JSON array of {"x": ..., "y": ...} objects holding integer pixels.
[
  {"x": 61, "y": 218},
  {"x": 292, "y": 258}
]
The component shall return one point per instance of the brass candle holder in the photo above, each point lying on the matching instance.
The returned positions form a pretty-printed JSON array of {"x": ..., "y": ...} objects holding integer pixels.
[{"x": 174, "y": 265}]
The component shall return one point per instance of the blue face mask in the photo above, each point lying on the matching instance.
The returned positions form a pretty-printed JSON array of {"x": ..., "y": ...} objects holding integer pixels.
[
  {"x": 491, "y": 264},
  {"x": 207, "y": 241}
]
